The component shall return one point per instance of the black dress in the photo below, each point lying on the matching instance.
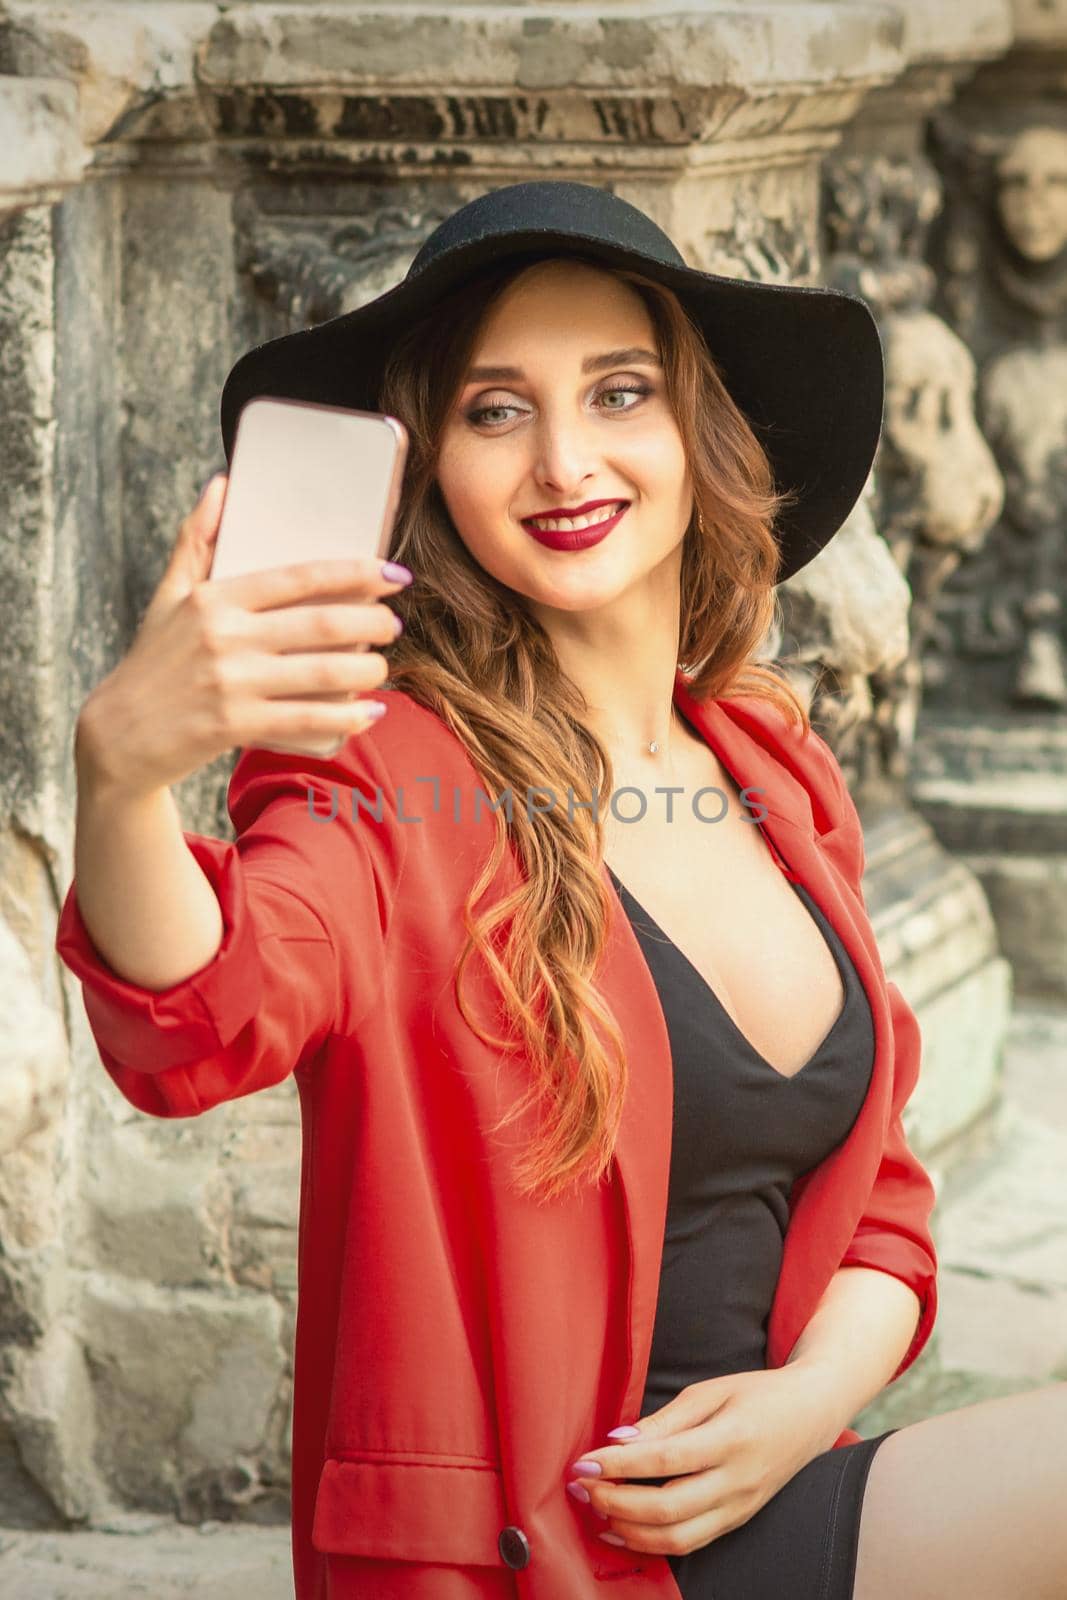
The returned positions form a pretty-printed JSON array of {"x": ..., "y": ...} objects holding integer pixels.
[{"x": 742, "y": 1133}]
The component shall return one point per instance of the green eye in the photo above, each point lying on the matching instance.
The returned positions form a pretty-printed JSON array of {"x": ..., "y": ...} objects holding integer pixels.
[{"x": 478, "y": 415}]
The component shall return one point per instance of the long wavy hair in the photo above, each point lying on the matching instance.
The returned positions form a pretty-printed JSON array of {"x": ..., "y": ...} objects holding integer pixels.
[{"x": 473, "y": 653}]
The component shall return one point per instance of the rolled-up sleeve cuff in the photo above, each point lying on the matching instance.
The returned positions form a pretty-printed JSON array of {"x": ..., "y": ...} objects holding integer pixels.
[
  {"x": 153, "y": 1029},
  {"x": 912, "y": 1266},
  {"x": 927, "y": 1317}
]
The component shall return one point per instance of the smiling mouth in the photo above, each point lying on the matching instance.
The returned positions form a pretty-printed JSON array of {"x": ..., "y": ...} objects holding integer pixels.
[
  {"x": 571, "y": 537},
  {"x": 591, "y": 519}
]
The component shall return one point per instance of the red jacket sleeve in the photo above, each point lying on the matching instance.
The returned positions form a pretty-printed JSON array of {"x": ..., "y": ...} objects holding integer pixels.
[
  {"x": 893, "y": 1234},
  {"x": 305, "y": 908}
]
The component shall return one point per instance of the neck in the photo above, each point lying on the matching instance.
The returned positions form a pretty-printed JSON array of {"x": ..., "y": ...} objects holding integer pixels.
[
  {"x": 623, "y": 658},
  {"x": 632, "y": 716}
]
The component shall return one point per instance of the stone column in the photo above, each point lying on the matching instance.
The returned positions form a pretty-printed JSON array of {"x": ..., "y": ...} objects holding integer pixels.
[
  {"x": 41, "y": 155},
  {"x": 43, "y": 1459}
]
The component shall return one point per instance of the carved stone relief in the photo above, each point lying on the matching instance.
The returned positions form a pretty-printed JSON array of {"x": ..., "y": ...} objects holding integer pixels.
[
  {"x": 1003, "y": 246},
  {"x": 307, "y": 265},
  {"x": 937, "y": 490},
  {"x": 775, "y": 249},
  {"x": 847, "y": 620}
]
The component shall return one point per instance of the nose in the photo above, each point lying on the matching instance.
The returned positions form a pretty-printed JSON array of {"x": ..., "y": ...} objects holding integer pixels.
[{"x": 565, "y": 457}]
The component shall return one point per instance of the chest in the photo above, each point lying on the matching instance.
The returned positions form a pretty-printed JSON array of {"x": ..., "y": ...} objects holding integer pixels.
[{"x": 716, "y": 891}]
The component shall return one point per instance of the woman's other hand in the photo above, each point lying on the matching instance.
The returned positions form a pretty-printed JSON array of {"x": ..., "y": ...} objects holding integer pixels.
[{"x": 726, "y": 1446}]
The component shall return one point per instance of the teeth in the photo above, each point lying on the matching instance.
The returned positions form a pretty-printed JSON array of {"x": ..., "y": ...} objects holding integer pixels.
[{"x": 593, "y": 520}]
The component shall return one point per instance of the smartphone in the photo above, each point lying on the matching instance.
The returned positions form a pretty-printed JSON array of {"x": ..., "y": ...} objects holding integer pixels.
[{"x": 309, "y": 482}]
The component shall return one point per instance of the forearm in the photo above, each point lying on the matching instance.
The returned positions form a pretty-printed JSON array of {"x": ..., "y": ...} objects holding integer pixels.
[
  {"x": 855, "y": 1340},
  {"x": 146, "y": 904}
]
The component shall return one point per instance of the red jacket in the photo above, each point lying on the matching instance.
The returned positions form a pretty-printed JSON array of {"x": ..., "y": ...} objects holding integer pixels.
[{"x": 457, "y": 1347}]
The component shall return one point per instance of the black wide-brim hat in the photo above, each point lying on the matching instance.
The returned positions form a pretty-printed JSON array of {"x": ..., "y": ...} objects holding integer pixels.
[{"x": 804, "y": 364}]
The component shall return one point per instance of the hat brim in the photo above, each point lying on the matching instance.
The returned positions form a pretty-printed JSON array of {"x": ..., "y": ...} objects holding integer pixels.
[{"x": 804, "y": 364}]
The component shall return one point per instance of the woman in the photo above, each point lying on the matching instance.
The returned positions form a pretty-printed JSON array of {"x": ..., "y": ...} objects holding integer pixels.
[{"x": 608, "y": 1222}]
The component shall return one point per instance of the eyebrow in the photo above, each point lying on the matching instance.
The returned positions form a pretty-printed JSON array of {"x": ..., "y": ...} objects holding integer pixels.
[{"x": 611, "y": 358}]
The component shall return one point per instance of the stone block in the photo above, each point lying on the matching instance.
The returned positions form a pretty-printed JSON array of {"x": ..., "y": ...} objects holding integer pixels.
[
  {"x": 35, "y": 1063},
  {"x": 1012, "y": 1220},
  {"x": 152, "y": 1213},
  {"x": 997, "y": 1327},
  {"x": 156, "y": 1560},
  {"x": 1003, "y": 1245},
  {"x": 50, "y": 1406},
  {"x": 937, "y": 941},
  {"x": 963, "y": 1029},
  {"x": 41, "y": 152},
  {"x": 264, "y": 1257},
  {"x": 1028, "y": 895},
  {"x": 267, "y": 1195},
  {"x": 184, "y": 1383},
  {"x": 1035, "y": 1060},
  {"x": 715, "y": 42},
  {"x": 113, "y": 57}
]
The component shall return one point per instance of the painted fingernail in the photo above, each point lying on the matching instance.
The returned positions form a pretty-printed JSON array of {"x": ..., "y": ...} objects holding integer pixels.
[
  {"x": 579, "y": 1491},
  {"x": 395, "y": 573},
  {"x": 611, "y": 1538},
  {"x": 624, "y": 1433},
  {"x": 398, "y": 624},
  {"x": 587, "y": 1469}
]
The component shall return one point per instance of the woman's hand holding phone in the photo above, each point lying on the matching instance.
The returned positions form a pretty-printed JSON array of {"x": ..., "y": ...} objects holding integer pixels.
[{"x": 272, "y": 658}]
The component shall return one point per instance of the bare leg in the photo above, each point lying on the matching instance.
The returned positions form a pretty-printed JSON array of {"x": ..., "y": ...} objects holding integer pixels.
[{"x": 970, "y": 1504}]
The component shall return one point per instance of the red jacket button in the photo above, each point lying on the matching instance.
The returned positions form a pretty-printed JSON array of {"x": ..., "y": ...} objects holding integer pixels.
[{"x": 514, "y": 1547}]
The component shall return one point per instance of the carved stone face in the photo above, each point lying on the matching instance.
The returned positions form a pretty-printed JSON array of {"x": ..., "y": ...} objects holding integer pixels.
[
  {"x": 1032, "y": 192},
  {"x": 1024, "y": 412},
  {"x": 850, "y": 605},
  {"x": 941, "y": 473}
]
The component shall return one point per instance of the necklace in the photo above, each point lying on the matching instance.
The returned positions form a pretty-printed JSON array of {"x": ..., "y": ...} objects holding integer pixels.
[{"x": 654, "y": 745}]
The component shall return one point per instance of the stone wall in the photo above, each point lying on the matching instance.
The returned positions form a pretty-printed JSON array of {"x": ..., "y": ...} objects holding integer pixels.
[{"x": 186, "y": 179}]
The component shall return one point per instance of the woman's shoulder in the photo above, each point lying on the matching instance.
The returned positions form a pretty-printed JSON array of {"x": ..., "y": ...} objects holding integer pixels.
[
  {"x": 411, "y": 741},
  {"x": 804, "y": 752},
  {"x": 767, "y": 720}
]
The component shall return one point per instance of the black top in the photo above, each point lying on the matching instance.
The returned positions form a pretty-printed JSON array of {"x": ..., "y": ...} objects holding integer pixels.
[{"x": 742, "y": 1133}]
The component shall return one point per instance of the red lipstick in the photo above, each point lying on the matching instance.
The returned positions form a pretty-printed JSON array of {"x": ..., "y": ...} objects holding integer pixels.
[{"x": 575, "y": 538}]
